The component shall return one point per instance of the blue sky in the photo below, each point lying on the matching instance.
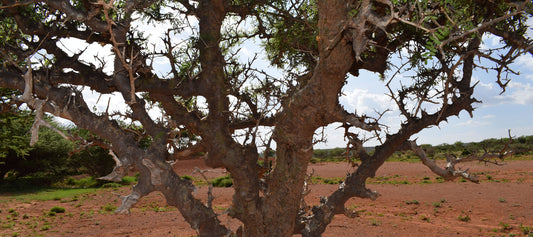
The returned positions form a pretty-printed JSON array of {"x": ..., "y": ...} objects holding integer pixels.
[{"x": 492, "y": 118}]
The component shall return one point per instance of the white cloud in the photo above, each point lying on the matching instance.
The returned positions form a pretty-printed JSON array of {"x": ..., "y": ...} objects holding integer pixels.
[
  {"x": 490, "y": 41},
  {"x": 516, "y": 93},
  {"x": 526, "y": 62},
  {"x": 474, "y": 123},
  {"x": 365, "y": 102},
  {"x": 520, "y": 93}
]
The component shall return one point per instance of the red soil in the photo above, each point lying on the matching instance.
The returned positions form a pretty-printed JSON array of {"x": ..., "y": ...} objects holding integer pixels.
[{"x": 499, "y": 206}]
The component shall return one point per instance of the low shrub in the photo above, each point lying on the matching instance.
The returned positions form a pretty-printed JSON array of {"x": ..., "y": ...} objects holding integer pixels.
[
  {"x": 223, "y": 182},
  {"x": 58, "y": 209}
]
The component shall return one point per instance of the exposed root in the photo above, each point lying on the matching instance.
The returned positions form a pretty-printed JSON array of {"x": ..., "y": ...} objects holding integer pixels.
[{"x": 127, "y": 203}]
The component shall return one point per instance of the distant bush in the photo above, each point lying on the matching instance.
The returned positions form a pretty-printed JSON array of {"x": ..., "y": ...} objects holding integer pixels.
[
  {"x": 223, "y": 182},
  {"x": 58, "y": 209},
  {"x": 87, "y": 182}
]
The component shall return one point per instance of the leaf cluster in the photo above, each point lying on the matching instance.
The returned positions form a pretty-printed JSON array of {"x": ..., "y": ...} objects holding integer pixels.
[{"x": 292, "y": 36}]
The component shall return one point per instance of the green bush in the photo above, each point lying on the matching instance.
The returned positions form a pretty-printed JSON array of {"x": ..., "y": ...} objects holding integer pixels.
[
  {"x": 94, "y": 161},
  {"x": 58, "y": 209},
  {"x": 224, "y": 181}
]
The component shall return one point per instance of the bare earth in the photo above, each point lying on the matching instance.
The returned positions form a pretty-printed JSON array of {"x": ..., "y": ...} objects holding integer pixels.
[{"x": 498, "y": 206}]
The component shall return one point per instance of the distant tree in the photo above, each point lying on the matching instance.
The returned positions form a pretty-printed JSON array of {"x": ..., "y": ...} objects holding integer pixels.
[
  {"x": 14, "y": 124},
  {"x": 94, "y": 161},
  {"x": 209, "y": 92},
  {"x": 50, "y": 156}
]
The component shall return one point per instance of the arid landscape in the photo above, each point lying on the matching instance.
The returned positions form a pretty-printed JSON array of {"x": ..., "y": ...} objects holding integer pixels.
[{"x": 413, "y": 202}]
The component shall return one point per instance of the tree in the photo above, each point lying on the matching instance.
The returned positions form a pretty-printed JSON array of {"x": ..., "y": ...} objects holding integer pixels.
[
  {"x": 51, "y": 157},
  {"x": 13, "y": 125},
  {"x": 48, "y": 155},
  {"x": 210, "y": 94}
]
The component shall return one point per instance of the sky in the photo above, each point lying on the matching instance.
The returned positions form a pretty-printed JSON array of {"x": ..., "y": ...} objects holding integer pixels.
[
  {"x": 491, "y": 119},
  {"x": 512, "y": 110}
]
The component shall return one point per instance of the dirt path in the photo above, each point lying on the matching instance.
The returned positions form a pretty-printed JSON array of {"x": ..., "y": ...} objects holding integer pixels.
[{"x": 413, "y": 203}]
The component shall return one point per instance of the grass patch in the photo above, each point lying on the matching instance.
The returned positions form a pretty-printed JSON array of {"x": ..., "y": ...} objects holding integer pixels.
[
  {"x": 112, "y": 185},
  {"x": 505, "y": 227},
  {"x": 526, "y": 230},
  {"x": 87, "y": 182},
  {"x": 415, "y": 202},
  {"x": 109, "y": 208},
  {"x": 186, "y": 177},
  {"x": 465, "y": 218},
  {"x": 46, "y": 194},
  {"x": 128, "y": 180}
]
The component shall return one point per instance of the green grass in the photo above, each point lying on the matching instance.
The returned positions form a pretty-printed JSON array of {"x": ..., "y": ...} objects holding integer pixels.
[
  {"x": 465, "y": 218},
  {"x": 128, "y": 180},
  {"x": 46, "y": 194},
  {"x": 402, "y": 156}
]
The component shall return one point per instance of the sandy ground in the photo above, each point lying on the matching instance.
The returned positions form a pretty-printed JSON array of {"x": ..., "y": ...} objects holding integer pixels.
[{"x": 413, "y": 203}]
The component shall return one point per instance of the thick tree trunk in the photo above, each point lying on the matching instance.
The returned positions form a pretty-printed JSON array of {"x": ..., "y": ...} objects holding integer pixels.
[
  {"x": 285, "y": 185},
  {"x": 314, "y": 106}
]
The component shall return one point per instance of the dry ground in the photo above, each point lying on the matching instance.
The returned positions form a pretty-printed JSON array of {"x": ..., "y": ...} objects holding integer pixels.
[{"x": 413, "y": 203}]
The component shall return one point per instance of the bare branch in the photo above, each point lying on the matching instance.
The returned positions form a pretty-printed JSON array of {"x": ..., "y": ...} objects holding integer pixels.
[{"x": 450, "y": 172}]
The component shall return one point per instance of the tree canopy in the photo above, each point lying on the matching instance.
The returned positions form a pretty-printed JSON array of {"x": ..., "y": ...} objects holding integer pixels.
[{"x": 207, "y": 100}]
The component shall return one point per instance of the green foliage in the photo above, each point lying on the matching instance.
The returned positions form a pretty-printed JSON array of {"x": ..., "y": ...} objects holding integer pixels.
[
  {"x": 415, "y": 202},
  {"x": 28, "y": 194},
  {"x": 224, "y": 181},
  {"x": 186, "y": 177},
  {"x": 14, "y": 124},
  {"x": 109, "y": 207},
  {"x": 57, "y": 209},
  {"x": 526, "y": 230},
  {"x": 292, "y": 42},
  {"x": 111, "y": 185},
  {"x": 94, "y": 161},
  {"x": 522, "y": 145},
  {"x": 128, "y": 180},
  {"x": 49, "y": 159},
  {"x": 465, "y": 218}
]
